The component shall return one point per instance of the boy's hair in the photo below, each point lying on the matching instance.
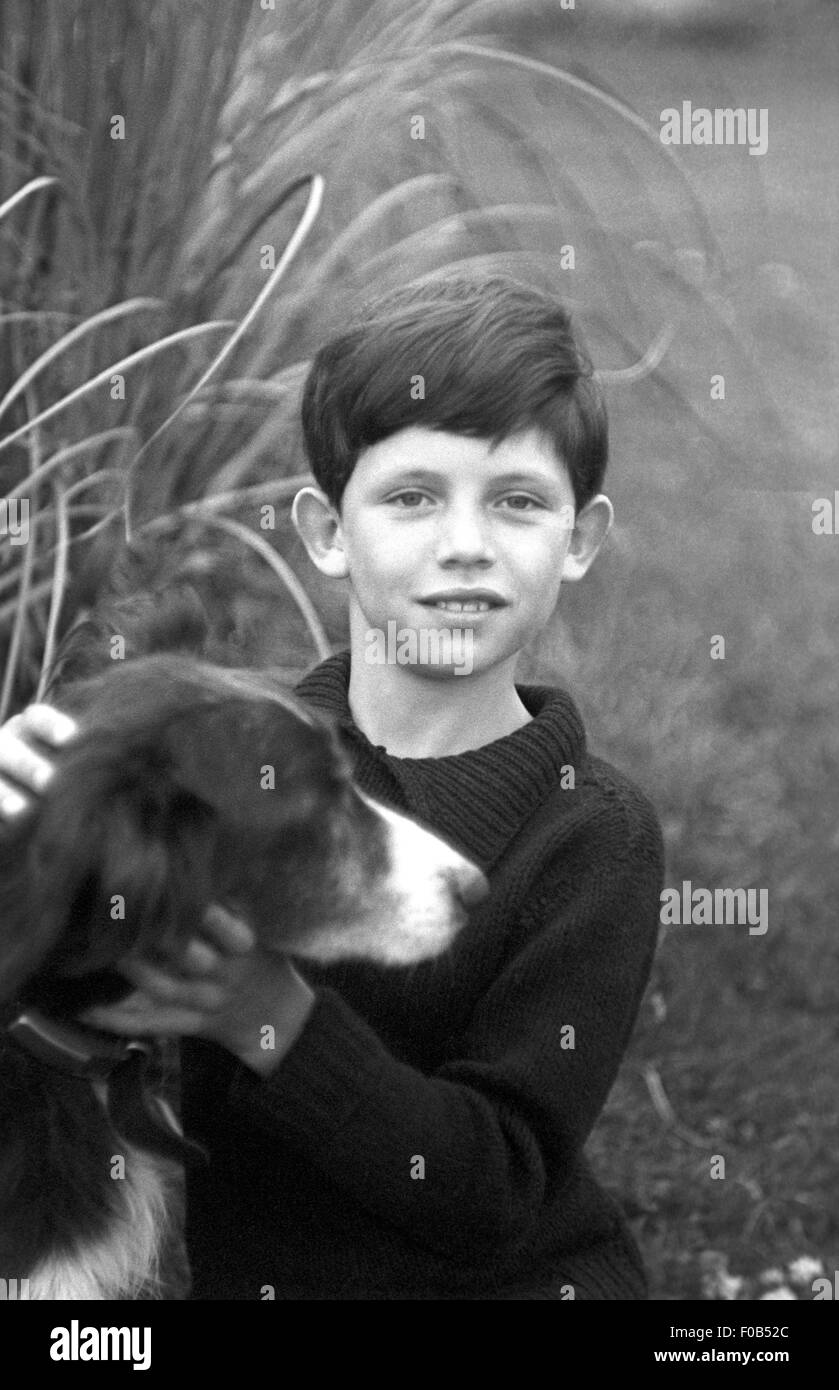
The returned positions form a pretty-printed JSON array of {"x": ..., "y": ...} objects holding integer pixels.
[{"x": 497, "y": 358}]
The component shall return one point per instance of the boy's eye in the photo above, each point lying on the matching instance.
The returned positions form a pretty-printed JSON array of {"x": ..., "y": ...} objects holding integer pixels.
[
  {"x": 520, "y": 502},
  {"x": 411, "y": 499}
]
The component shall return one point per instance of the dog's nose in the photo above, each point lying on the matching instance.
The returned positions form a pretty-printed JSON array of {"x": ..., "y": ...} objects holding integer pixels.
[{"x": 470, "y": 885}]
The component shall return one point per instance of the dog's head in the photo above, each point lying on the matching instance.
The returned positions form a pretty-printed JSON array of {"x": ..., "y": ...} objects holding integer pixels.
[{"x": 189, "y": 784}]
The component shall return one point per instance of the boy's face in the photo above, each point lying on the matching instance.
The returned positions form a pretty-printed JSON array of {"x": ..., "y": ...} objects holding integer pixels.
[{"x": 440, "y": 530}]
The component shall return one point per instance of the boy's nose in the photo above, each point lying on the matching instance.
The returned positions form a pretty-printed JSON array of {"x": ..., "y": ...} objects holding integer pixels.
[{"x": 463, "y": 539}]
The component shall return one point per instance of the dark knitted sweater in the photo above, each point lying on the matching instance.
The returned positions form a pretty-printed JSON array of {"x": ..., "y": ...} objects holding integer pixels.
[{"x": 465, "y": 1062}]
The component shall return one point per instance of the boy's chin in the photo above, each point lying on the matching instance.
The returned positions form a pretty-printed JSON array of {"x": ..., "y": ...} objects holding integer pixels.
[
  {"x": 443, "y": 671},
  {"x": 477, "y": 662}
]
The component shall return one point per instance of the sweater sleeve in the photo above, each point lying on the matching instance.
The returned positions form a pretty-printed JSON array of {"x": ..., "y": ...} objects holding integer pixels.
[{"x": 496, "y": 1126}]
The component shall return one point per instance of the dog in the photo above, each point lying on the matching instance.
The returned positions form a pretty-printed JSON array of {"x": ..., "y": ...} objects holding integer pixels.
[{"x": 188, "y": 783}]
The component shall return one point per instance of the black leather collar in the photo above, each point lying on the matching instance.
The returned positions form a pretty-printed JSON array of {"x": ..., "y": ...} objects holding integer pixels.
[{"x": 131, "y": 1069}]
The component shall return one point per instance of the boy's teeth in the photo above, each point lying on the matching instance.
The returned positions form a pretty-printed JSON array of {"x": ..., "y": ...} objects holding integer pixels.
[{"x": 457, "y": 606}]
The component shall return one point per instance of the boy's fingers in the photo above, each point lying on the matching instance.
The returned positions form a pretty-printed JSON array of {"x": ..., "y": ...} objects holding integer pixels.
[
  {"x": 19, "y": 761},
  {"x": 149, "y": 979},
  {"x": 199, "y": 958},
  {"x": 203, "y": 995},
  {"x": 230, "y": 933},
  {"x": 48, "y": 723},
  {"x": 23, "y": 764},
  {"x": 140, "y": 1018},
  {"x": 12, "y": 802},
  {"x": 115, "y": 1018},
  {"x": 201, "y": 961}
]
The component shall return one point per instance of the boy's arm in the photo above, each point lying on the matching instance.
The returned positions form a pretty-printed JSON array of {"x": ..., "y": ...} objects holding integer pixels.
[{"x": 497, "y": 1126}]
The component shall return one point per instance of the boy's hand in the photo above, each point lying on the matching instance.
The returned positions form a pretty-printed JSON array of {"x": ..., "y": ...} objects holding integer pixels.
[
  {"x": 224, "y": 989},
  {"x": 23, "y": 768}
]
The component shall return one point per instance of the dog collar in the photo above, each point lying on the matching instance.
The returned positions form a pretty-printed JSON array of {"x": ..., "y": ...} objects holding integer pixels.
[
  {"x": 68, "y": 1047},
  {"x": 131, "y": 1067},
  {"x": 141, "y": 1113}
]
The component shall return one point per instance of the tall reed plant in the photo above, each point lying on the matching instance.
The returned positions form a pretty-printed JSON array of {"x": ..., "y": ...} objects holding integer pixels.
[{"x": 194, "y": 194}]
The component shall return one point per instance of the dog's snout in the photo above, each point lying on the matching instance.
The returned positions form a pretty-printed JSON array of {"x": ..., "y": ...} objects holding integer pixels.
[
  {"x": 470, "y": 884},
  {"x": 430, "y": 886}
]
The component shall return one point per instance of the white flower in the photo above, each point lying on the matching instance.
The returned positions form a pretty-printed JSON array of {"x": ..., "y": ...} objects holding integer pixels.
[
  {"x": 716, "y": 1281},
  {"x": 782, "y": 1292},
  {"x": 729, "y": 1285},
  {"x": 768, "y": 1277},
  {"x": 805, "y": 1269}
]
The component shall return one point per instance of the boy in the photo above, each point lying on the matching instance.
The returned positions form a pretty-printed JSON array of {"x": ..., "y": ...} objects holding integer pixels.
[{"x": 419, "y": 1135}]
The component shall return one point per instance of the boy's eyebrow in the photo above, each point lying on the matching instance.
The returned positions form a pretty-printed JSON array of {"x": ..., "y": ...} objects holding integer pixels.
[
  {"x": 526, "y": 479},
  {"x": 434, "y": 475},
  {"x": 417, "y": 474}
]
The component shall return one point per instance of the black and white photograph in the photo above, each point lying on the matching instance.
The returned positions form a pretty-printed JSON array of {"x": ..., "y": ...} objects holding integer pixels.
[{"x": 419, "y": 690}]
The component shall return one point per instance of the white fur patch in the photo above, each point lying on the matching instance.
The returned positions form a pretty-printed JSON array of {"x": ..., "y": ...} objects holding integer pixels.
[
  {"x": 126, "y": 1262},
  {"x": 421, "y": 906}
]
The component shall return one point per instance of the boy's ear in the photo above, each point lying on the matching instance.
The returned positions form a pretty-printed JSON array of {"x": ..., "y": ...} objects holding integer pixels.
[
  {"x": 591, "y": 527},
  {"x": 318, "y": 525}
]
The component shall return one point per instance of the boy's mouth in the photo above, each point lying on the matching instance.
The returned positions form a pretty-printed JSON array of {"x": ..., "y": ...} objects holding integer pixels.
[{"x": 464, "y": 601}]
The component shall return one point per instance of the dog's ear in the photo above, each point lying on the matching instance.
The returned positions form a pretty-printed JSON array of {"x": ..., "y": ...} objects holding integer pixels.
[
  {"x": 127, "y": 870},
  {"x": 157, "y": 864},
  {"x": 174, "y": 619}
]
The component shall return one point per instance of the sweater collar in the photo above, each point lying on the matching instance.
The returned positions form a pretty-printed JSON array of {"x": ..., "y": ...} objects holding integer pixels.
[{"x": 477, "y": 799}]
